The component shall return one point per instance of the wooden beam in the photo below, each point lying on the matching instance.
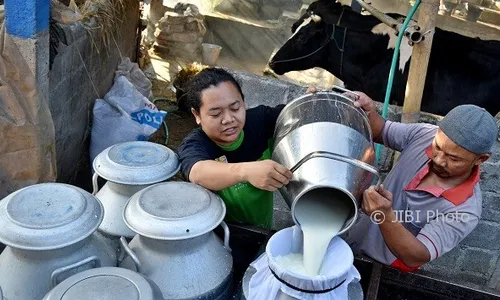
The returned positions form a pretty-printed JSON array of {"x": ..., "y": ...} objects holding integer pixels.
[{"x": 419, "y": 62}]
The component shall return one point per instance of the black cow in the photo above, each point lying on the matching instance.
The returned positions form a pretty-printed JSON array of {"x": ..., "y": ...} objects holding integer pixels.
[{"x": 358, "y": 49}]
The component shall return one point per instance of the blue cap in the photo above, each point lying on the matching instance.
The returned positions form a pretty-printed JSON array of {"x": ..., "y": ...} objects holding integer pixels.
[{"x": 470, "y": 127}]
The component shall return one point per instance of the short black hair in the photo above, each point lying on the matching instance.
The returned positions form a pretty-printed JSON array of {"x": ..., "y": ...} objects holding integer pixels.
[{"x": 205, "y": 79}]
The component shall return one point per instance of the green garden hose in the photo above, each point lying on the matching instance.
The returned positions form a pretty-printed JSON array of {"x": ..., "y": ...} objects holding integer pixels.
[
  {"x": 393, "y": 69},
  {"x": 164, "y": 121}
]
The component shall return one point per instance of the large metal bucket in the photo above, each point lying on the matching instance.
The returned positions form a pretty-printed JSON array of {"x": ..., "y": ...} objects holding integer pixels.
[{"x": 327, "y": 143}]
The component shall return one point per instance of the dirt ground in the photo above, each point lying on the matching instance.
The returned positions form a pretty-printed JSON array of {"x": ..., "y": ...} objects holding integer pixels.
[{"x": 161, "y": 71}]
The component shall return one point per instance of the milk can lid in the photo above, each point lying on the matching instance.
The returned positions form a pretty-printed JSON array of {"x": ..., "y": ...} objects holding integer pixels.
[
  {"x": 111, "y": 283},
  {"x": 48, "y": 216},
  {"x": 136, "y": 163},
  {"x": 174, "y": 211}
]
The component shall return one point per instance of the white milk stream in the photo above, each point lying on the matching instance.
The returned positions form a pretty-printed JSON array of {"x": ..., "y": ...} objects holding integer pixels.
[{"x": 321, "y": 214}]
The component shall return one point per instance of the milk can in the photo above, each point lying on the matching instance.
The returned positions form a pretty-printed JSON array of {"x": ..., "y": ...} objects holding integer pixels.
[
  {"x": 327, "y": 143},
  {"x": 129, "y": 167},
  {"x": 175, "y": 245},
  {"x": 110, "y": 283},
  {"x": 49, "y": 232}
]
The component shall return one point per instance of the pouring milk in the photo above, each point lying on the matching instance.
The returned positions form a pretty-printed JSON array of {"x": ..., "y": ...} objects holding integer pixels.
[{"x": 321, "y": 214}]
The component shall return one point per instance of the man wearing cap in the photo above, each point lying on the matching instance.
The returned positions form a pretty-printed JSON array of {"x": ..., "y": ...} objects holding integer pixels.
[{"x": 431, "y": 199}]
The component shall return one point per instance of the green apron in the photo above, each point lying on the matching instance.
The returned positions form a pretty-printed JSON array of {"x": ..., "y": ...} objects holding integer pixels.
[{"x": 246, "y": 203}]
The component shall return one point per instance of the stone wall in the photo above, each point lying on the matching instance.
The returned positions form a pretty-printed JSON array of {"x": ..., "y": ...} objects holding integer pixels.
[
  {"x": 80, "y": 74},
  {"x": 180, "y": 33},
  {"x": 474, "y": 263}
]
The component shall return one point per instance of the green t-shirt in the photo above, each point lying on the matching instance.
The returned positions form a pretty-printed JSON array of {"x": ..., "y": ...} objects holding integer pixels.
[
  {"x": 248, "y": 204},
  {"x": 244, "y": 202}
]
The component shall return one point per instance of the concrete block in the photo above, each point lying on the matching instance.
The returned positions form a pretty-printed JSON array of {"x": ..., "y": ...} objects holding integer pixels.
[
  {"x": 479, "y": 261},
  {"x": 279, "y": 202},
  {"x": 491, "y": 215},
  {"x": 265, "y": 90},
  {"x": 491, "y": 206},
  {"x": 494, "y": 282},
  {"x": 468, "y": 279},
  {"x": 194, "y": 26},
  {"x": 173, "y": 28},
  {"x": 483, "y": 234},
  {"x": 185, "y": 37},
  {"x": 495, "y": 155},
  {"x": 282, "y": 220},
  {"x": 491, "y": 200},
  {"x": 449, "y": 261},
  {"x": 490, "y": 176},
  {"x": 174, "y": 18}
]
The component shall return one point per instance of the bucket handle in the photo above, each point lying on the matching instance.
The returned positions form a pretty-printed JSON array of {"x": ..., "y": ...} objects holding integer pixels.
[
  {"x": 95, "y": 186},
  {"x": 334, "y": 156},
  {"x": 130, "y": 252},
  {"x": 226, "y": 236},
  {"x": 57, "y": 272}
]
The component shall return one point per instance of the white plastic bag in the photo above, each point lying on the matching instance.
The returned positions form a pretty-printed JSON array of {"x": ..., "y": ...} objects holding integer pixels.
[
  {"x": 123, "y": 115},
  {"x": 338, "y": 263},
  {"x": 135, "y": 75}
]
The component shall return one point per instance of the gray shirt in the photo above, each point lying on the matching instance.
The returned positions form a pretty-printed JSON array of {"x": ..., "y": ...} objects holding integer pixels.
[{"x": 439, "y": 218}]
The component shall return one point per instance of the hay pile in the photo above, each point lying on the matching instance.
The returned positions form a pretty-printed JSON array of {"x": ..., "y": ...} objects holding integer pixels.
[{"x": 101, "y": 18}]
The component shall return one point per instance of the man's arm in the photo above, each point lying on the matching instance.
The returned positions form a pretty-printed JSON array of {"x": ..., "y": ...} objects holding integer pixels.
[
  {"x": 216, "y": 175},
  {"x": 265, "y": 175},
  {"x": 403, "y": 244},
  {"x": 394, "y": 135},
  {"x": 364, "y": 102},
  {"x": 377, "y": 125}
]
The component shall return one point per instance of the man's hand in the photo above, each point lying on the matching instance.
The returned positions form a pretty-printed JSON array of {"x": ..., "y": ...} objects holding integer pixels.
[
  {"x": 400, "y": 241},
  {"x": 377, "y": 200},
  {"x": 266, "y": 175},
  {"x": 311, "y": 90},
  {"x": 361, "y": 100}
]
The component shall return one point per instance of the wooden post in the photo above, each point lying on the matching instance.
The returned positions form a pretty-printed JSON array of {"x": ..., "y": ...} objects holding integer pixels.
[{"x": 419, "y": 62}]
